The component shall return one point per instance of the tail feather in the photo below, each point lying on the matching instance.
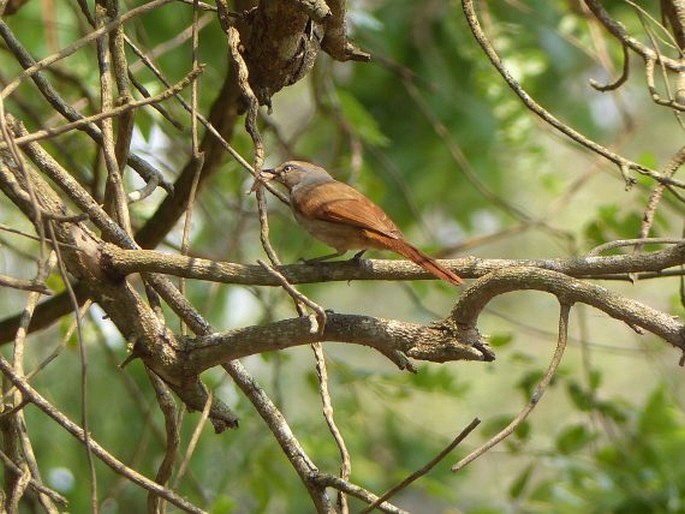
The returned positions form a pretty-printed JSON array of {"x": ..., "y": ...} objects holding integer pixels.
[{"x": 425, "y": 261}]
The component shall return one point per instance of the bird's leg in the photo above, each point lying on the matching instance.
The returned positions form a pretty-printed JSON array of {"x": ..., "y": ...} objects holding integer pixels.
[{"x": 324, "y": 257}]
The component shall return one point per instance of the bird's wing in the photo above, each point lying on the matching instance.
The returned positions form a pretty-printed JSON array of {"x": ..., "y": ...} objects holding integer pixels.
[{"x": 336, "y": 202}]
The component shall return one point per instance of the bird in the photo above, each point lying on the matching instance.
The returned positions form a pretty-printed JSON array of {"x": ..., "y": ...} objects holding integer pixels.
[{"x": 345, "y": 219}]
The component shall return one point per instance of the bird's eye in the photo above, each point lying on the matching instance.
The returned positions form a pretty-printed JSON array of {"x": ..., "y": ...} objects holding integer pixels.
[{"x": 287, "y": 168}]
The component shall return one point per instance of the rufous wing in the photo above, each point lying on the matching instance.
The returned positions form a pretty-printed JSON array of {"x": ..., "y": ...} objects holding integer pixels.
[{"x": 337, "y": 202}]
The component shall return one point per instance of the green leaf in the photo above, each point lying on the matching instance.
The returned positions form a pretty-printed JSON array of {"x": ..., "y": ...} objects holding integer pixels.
[
  {"x": 516, "y": 488},
  {"x": 529, "y": 382},
  {"x": 223, "y": 505},
  {"x": 437, "y": 379},
  {"x": 659, "y": 415},
  {"x": 360, "y": 120},
  {"x": 500, "y": 340},
  {"x": 582, "y": 399},
  {"x": 573, "y": 438}
]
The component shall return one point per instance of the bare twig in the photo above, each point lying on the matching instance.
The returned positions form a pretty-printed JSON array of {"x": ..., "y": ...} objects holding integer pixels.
[
  {"x": 669, "y": 169},
  {"x": 116, "y": 204},
  {"x": 620, "y": 33},
  {"x": 34, "y": 484},
  {"x": 84, "y": 372},
  {"x": 328, "y": 480},
  {"x": 112, "y": 113},
  {"x": 292, "y": 448},
  {"x": 142, "y": 167},
  {"x": 611, "y": 245},
  {"x": 611, "y": 86},
  {"x": 167, "y": 405},
  {"x": 192, "y": 444},
  {"x": 67, "y": 51},
  {"x": 25, "y": 285},
  {"x": 426, "y": 468},
  {"x": 324, "y": 394},
  {"x": 535, "y": 398}
]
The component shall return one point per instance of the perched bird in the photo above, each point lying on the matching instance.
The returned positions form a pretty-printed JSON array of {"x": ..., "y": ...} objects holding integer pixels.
[{"x": 344, "y": 218}]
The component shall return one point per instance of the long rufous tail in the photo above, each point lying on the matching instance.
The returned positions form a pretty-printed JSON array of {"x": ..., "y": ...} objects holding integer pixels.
[{"x": 425, "y": 261}]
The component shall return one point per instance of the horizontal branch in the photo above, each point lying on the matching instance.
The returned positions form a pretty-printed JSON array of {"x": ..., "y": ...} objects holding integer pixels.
[
  {"x": 25, "y": 285},
  {"x": 568, "y": 290},
  {"x": 119, "y": 261},
  {"x": 422, "y": 342}
]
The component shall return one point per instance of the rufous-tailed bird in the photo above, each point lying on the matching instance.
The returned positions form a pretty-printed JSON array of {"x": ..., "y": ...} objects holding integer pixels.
[{"x": 344, "y": 218}]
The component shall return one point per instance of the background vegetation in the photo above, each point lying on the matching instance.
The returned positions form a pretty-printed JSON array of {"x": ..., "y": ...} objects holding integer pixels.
[{"x": 429, "y": 130}]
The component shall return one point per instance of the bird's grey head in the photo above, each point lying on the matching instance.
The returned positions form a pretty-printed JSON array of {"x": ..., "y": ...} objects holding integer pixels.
[{"x": 293, "y": 173}]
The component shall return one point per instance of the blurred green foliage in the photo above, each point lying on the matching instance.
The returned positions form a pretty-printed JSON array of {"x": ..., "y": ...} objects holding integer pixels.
[{"x": 426, "y": 107}]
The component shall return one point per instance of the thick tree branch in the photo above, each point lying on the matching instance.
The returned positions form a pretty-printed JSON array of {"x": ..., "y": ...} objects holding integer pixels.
[
  {"x": 568, "y": 290},
  {"x": 429, "y": 343},
  {"x": 151, "y": 339},
  {"x": 124, "y": 262}
]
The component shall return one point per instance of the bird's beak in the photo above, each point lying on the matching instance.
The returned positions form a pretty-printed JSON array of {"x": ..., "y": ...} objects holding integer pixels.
[{"x": 268, "y": 174}]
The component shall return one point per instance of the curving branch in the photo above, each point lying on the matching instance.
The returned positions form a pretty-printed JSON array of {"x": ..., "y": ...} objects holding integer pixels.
[
  {"x": 562, "y": 339},
  {"x": 619, "y": 32},
  {"x": 434, "y": 343},
  {"x": 568, "y": 290}
]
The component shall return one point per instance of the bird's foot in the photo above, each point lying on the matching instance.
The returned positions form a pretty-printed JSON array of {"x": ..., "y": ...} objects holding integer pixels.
[{"x": 357, "y": 258}]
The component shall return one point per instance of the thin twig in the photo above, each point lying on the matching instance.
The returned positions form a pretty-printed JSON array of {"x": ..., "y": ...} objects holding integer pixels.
[
  {"x": 293, "y": 450},
  {"x": 324, "y": 394},
  {"x": 535, "y": 398},
  {"x": 192, "y": 444},
  {"x": 625, "y": 72},
  {"x": 84, "y": 372},
  {"x": 619, "y": 32},
  {"x": 116, "y": 203},
  {"x": 167, "y": 405},
  {"x": 37, "y": 486},
  {"x": 426, "y": 468},
  {"x": 24, "y": 285},
  {"x": 142, "y": 167},
  {"x": 112, "y": 113},
  {"x": 611, "y": 245},
  {"x": 80, "y": 43},
  {"x": 669, "y": 169},
  {"x": 197, "y": 158}
]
